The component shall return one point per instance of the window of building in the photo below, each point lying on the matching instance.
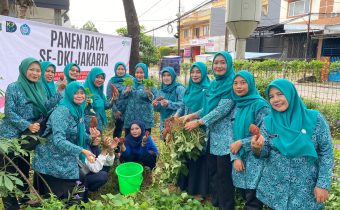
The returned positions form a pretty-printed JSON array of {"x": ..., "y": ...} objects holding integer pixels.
[
  {"x": 186, "y": 33},
  {"x": 197, "y": 32},
  {"x": 298, "y": 8},
  {"x": 206, "y": 30}
]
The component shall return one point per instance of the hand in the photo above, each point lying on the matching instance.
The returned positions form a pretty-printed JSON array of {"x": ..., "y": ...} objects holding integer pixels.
[
  {"x": 235, "y": 147},
  {"x": 176, "y": 116},
  {"x": 192, "y": 125},
  {"x": 164, "y": 103},
  {"x": 94, "y": 133},
  {"x": 88, "y": 101},
  {"x": 154, "y": 102},
  {"x": 61, "y": 84},
  {"x": 89, "y": 155},
  {"x": 238, "y": 165},
  {"x": 186, "y": 118},
  {"x": 95, "y": 141},
  {"x": 34, "y": 127},
  {"x": 113, "y": 144},
  {"x": 321, "y": 195},
  {"x": 117, "y": 115},
  {"x": 257, "y": 143},
  {"x": 127, "y": 90}
]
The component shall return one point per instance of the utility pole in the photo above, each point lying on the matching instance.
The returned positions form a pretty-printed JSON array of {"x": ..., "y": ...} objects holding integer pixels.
[
  {"x": 308, "y": 30},
  {"x": 179, "y": 29}
]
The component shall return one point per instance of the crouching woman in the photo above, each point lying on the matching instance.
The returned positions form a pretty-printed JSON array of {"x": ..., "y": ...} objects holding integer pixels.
[
  {"x": 139, "y": 146},
  {"x": 56, "y": 160}
]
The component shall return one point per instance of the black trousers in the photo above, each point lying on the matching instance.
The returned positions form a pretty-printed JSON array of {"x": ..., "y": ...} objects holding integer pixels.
[
  {"x": 127, "y": 131},
  {"x": 119, "y": 125},
  {"x": 10, "y": 202},
  {"x": 252, "y": 203},
  {"x": 221, "y": 183},
  {"x": 148, "y": 159}
]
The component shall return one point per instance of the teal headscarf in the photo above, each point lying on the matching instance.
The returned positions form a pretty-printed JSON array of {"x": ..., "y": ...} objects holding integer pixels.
[
  {"x": 98, "y": 94},
  {"x": 295, "y": 126},
  {"x": 174, "y": 83},
  {"x": 248, "y": 105},
  {"x": 67, "y": 70},
  {"x": 77, "y": 112},
  {"x": 116, "y": 78},
  {"x": 146, "y": 74},
  {"x": 221, "y": 87},
  {"x": 34, "y": 91},
  {"x": 195, "y": 92},
  {"x": 49, "y": 86}
]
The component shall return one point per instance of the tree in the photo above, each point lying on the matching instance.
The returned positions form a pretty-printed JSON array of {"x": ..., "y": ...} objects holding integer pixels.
[
  {"x": 149, "y": 53},
  {"x": 133, "y": 31},
  {"x": 89, "y": 26}
]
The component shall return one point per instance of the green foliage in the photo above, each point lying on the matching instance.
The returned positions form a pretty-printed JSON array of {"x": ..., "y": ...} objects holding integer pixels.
[
  {"x": 242, "y": 65},
  {"x": 181, "y": 146},
  {"x": 335, "y": 66},
  {"x": 148, "y": 51},
  {"x": 164, "y": 50},
  {"x": 89, "y": 26},
  {"x": 128, "y": 81},
  {"x": 268, "y": 65},
  {"x": 331, "y": 112},
  {"x": 262, "y": 83},
  {"x": 9, "y": 183},
  {"x": 149, "y": 83}
]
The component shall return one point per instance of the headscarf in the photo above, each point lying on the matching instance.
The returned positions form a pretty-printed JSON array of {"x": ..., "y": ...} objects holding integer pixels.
[
  {"x": 248, "y": 105},
  {"x": 49, "y": 86},
  {"x": 135, "y": 141},
  {"x": 116, "y": 78},
  {"x": 171, "y": 87},
  {"x": 221, "y": 87},
  {"x": 146, "y": 74},
  {"x": 169, "y": 90},
  {"x": 98, "y": 97},
  {"x": 67, "y": 71},
  {"x": 34, "y": 91},
  {"x": 77, "y": 112},
  {"x": 295, "y": 126},
  {"x": 194, "y": 94}
]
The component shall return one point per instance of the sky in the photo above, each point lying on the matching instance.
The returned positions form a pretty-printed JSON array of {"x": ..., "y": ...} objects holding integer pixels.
[{"x": 108, "y": 15}]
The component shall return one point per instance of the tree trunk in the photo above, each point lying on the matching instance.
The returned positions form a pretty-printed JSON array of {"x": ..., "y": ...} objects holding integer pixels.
[
  {"x": 133, "y": 32},
  {"x": 4, "y": 9}
]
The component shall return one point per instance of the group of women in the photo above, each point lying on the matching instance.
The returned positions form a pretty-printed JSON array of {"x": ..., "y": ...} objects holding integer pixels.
[{"x": 287, "y": 165}]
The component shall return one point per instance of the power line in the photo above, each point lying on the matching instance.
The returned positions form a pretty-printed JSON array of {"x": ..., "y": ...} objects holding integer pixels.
[
  {"x": 185, "y": 14},
  {"x": 146, "y": 11}
]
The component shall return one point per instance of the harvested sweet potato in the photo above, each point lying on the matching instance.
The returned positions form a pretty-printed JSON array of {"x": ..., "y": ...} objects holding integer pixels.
[
  {"x": 62, "y": 77},
  {"x": 159, "y": 98},
  {"x": 254, "y": 130},
  {"x": 93, "y": 122},
  {"x": 115, "y": 92},
  {"x": 167, "y": 129}
]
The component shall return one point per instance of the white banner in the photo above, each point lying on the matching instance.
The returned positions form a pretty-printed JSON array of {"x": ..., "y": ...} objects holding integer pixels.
[{"x": 20, "y": 38}]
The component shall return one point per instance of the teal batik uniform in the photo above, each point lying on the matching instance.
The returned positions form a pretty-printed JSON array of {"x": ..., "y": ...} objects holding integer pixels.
[
  {"x": 173, "y": 93},
  {"x": 298, "y": 152},
  {"x": 139, "y": 105},
  {"x": 58, "y": 156}
]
